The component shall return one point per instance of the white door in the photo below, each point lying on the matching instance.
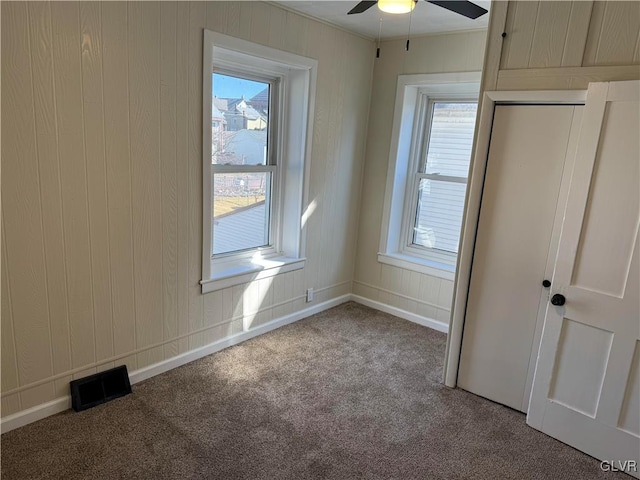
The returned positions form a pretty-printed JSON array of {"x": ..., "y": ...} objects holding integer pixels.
[
  {"x": 586, "y": 389},
  {"x": 526, "y": 178}
]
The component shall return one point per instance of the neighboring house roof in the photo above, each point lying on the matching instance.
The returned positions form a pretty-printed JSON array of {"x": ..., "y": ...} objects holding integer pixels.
[
  {"x": 261, "y": 97},
  {"x": 239, "y": 210},
  {"x": 236, "y": 230},
  {"x": 216, "y": 113},
  {"x": 232, "y": 103},
  {"x": 239, "y": 106},
  {"x": 257, "y": 136},
  {"x": 250, "y": 112},
  {"x": 221, "y": 104}
]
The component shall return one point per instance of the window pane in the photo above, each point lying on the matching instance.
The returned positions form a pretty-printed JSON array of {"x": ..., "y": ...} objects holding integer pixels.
[
  {"x": 239, "y": 121},
  {"x": 439, "y": 214},
  {"x": 241, "y": 209},
  {"x": 451, "y": 138}
]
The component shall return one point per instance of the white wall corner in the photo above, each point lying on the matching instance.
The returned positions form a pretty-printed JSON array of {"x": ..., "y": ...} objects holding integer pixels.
[{"x": 412, "y": 317}]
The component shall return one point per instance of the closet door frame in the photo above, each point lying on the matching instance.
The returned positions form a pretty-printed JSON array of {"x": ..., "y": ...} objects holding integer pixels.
[{"x": 471, "y": 216}]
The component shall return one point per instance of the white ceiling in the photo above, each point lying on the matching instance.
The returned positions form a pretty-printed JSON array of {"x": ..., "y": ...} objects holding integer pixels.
[{"x": 426, "y": 18}]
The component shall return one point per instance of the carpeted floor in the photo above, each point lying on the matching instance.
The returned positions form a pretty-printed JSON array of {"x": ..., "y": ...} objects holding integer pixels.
[{"x": 348, "y": 393}]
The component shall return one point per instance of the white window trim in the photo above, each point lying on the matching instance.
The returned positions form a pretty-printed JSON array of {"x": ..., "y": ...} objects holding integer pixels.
[
  {"x": 297, "y": 76},
  {"x": 402, "y": 160}
]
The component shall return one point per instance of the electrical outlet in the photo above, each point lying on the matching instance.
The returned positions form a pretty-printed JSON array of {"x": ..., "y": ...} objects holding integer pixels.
[{"x": 309, "y": 295}]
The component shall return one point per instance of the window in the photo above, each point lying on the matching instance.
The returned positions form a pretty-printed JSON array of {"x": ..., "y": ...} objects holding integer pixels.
[
  {"x": 429, "y": 161},
  {"x": 439, "y": 183},
  {"x": 243, "y": 163},
  {"x": 257, "y": 111}
]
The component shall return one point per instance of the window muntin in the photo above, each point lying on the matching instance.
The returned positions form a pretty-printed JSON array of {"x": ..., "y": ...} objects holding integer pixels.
[
  {"x": 243, "y": 162},
  {"x": 438, "y": 185}
]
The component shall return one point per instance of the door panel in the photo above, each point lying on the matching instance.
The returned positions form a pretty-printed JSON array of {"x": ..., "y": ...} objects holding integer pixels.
[
  {"x": 583, "y": 353},
  {"x": 610, "y": 193},
  {"x": 524, "y": 180},
  {"x": 585, "y": 390}
]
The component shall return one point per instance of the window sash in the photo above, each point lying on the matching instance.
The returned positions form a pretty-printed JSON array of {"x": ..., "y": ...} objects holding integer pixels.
[
  {"x": 273, "y": 116},
  {"x": 271, "y": 204},
  {"x": 427, "y": 110},
  {"x": 441, "y": 178},
  {"x": 272, "y": 188},
  {"x": 243, "y": 169},
  {"x": 422, "y": 132}
]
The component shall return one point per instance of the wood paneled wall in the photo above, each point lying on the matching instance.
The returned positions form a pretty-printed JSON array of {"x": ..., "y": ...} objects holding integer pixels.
[
  {"x": 102, "y": 190},
  {"x": 548, "y": 34},
  {"x": 544, "y": 45},
  {"x": 566, "y": 44},
  {"x": 423, "y": 295}
]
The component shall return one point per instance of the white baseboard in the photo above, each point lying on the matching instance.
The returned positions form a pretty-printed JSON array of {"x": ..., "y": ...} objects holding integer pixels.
[
  {"x": 20, "y": 419},
  {"x": 412, "y": 317},
  {"x": 33, "y": 414},
  {"x": 190, "y": 356},
  {"x": 61, "y": 404}
]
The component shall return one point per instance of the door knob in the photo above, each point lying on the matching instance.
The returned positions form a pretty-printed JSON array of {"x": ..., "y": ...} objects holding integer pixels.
[
  {"x": 546, "y": 283},
  {"x": 558, "y": 300}
]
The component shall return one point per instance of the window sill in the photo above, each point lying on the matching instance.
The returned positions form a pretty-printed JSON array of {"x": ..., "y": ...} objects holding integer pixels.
[
  {"x": 419, "y": 265},
  {"x": 249, "y": 270}
]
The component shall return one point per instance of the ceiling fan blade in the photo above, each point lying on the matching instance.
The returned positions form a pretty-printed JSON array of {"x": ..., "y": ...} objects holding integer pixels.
[
  {"x": 361, "y": 7},
  {"x": 468, "y": 9}
]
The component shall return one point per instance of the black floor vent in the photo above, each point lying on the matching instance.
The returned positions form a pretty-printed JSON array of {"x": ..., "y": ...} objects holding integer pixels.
[{"x": 95, "y": 389}]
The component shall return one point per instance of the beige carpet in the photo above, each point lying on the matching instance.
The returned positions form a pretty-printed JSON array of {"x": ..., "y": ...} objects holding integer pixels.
[{"x": 349, "y": 393}]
